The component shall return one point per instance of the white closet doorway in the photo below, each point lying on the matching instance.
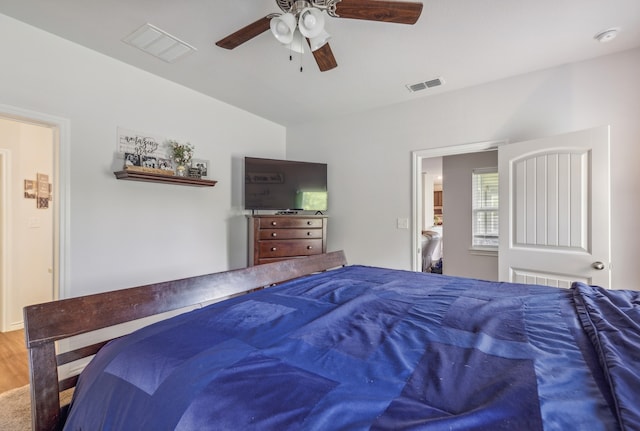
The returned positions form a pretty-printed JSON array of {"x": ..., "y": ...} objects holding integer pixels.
[{"x": 33, "y": 212}]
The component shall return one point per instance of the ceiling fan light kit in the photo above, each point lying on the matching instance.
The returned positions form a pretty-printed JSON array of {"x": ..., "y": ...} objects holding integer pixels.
[
  {"x": 297, "y": 44},
  {"x": 311, "y": 22},
  {"x": 319, "y": 41},
  {"x": 283, "y": 27},
  {"x": 289, "y": 28},
  {"x": 306, "y": 18}
]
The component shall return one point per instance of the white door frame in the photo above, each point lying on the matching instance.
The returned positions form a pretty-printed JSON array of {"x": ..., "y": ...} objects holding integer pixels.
[
  {"x": 5, "y": 221},
  {"x": 60, "y": 184},
  {"x": 416, "y": 176}
]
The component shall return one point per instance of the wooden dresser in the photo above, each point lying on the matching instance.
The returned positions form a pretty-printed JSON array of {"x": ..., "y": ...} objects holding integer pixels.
[{"x": 280, "y": 237}]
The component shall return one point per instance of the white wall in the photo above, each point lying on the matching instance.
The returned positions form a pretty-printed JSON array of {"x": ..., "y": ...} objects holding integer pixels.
[
  {"x": 457, "y": 192},
  {"x": 125, "y": 233},
  {"x": 370, "y": 163}
]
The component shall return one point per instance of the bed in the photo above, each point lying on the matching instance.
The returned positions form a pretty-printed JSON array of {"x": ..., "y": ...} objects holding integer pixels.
[{"x": 320, "y": 345}]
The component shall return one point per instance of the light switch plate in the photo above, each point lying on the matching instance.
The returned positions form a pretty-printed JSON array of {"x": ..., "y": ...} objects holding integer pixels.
[{"x": 403, "y": 223}]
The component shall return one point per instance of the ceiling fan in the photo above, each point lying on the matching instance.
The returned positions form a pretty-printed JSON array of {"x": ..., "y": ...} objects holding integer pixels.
[{"x": 304, "y": 19}]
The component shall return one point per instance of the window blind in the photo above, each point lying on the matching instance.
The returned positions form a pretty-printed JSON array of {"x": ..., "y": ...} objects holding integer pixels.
[{"x": 485, "y": 207}]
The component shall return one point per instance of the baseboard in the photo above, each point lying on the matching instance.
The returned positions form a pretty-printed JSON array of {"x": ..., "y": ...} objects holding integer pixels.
[{"x": 16, "y": 326}]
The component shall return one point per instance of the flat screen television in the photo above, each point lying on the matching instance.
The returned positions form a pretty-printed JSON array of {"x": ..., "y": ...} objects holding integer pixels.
[{"x": 284, "y": 185}]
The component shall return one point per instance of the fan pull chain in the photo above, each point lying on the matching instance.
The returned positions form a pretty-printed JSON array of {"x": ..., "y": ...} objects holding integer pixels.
[{"x": 291, "y": 58}]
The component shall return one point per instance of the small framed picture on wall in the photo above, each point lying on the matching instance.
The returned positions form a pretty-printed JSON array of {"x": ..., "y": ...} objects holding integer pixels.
[{"x": 29, "y": 189}]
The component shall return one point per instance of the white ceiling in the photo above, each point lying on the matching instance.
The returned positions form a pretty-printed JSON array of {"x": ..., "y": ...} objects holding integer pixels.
[{"x": 466, "y": 42}]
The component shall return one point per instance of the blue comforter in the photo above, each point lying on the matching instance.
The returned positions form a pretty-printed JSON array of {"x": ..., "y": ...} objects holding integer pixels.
[{"x": 369, "y": 348}]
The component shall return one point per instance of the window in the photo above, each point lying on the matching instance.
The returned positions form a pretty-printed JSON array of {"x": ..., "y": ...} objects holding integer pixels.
[{"x": 484, "y": 208}]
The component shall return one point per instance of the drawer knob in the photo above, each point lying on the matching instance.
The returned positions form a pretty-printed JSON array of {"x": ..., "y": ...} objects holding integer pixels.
[
  {"x": 273, "y": 248},
  {"x": 274, "y": 234},
  {"x": 309, "y": 222},
  {"x": 273, "y": 223},
  {"x": 309, "y": 247},
  {"x": 308, "y": 233}
]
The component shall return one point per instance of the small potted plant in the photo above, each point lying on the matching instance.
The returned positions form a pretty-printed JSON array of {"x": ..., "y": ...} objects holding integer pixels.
[{"x": 181, "y": 155}]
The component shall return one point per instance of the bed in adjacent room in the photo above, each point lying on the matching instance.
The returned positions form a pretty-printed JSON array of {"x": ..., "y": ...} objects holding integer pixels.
[{"x": 351, "y": 348}]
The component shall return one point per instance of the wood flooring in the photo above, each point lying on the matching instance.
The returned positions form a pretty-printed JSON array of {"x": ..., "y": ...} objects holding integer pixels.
[{"x": 14, "y": 366}]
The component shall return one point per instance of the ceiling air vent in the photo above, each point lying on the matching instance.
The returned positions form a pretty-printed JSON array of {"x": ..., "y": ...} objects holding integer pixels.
[
  {"x": 158, "y": 43},
  {"x": 424, "y": 85}
]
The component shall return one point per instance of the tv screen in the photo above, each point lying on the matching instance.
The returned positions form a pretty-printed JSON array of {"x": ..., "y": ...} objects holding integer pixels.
[{"x": 283, "y": 185}]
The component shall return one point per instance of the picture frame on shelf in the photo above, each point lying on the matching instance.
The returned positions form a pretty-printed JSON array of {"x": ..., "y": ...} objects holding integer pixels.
[
  {"x": 165, "y": 164},
  {"x": 194, "y": 173},
  {"x": 149, "y": 162},
  {"x": 202, "y": 166},
  {"x": 131, "y": 159}
]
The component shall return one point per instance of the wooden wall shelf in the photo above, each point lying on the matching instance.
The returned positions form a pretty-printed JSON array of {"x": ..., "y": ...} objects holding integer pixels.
[{"x": 166, "y": 179}]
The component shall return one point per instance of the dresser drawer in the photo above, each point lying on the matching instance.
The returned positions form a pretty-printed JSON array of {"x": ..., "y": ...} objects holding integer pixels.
[
  {"x": 292, "y": 247},
  {"x": 267, "y": 234},
  {"x": 280, "y": 237},
  {"x": 289, "y": 222}
]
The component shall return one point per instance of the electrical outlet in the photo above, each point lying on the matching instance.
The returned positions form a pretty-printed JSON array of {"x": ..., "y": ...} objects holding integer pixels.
[{"x": 403, "y": 223}]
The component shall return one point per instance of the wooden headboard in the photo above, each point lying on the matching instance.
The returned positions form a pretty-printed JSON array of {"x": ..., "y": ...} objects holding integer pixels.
[{"x": 47, "y": 323}]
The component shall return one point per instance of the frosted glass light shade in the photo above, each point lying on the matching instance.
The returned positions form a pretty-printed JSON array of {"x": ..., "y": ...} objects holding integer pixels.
[
  {"x": 297, "y": 44},
  {"x": 319, "y": 41},
  {"x": 311, "y": 22},
  {"x": 282, "y": 27}
]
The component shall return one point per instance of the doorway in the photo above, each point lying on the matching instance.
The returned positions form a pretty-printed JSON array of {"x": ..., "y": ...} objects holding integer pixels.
[
  {"x": 33, "y": 226},
  {"x": 418, "y": 195},
  {"x": 553, "y": 233}
]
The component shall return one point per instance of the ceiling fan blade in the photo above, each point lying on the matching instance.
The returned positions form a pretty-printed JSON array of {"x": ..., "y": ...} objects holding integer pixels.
[
  {"x": 400, "y": 12},
  {"x": 246, "y": 33},
  {"x": 324, "y": 57}
]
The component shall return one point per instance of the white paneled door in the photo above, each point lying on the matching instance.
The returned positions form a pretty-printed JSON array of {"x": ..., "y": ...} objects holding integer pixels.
[{"x": 555, "y": 210}]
